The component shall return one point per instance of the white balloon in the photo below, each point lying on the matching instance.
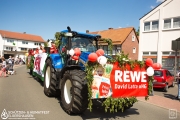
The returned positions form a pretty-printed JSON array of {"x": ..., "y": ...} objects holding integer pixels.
[
  {"x": 71, "y": 52},
  {"x": 98, "y": 58},
  {"x": 150, "y": 71},
  {"x": 102, "y": 60}
]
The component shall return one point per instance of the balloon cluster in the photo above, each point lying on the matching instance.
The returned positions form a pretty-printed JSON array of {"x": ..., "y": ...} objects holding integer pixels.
[
  {"x": 53, "y": 49},
  {"x": 98, "y": 56},
  {"x": 152, "y": 66},
  {"x": 75, "y": 53}
]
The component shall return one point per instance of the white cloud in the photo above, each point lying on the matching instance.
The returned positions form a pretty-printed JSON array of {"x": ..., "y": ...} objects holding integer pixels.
[
  {"x": 152, "y": 7},
  {"x": 159, "y": 1}
]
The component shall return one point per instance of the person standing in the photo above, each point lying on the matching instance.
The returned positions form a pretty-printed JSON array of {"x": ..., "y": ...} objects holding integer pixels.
[
  {"x": 0, "y": 60},
  {"x": 10, "y": 62},
  {"x": 3, "y": 69},
  {"x": 178, "y": 83}
]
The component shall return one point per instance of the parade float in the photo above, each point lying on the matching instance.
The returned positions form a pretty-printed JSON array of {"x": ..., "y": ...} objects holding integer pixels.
[{"x": 82, "y": 74}]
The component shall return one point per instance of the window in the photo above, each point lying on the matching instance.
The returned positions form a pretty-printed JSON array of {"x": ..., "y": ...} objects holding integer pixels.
[
  {"x": 165, "y": 53},
  {"x": 10, "y": 40},
  {"x": 147, "y": 26},
  {"x": 116, "y": 49},
  {"x": 37, "y": 43},
  {"x": 168, "y": 62},
  {"x": 24, "y": 42},
  {"x": 9, "y": 48},
  {"x": 155, "y": 25},
  {"x": 167, "y": 23},
  {"x": 23, "y": 49},
  {"x": 145, "y": 53},
  {"x": 153, "y": 53},
  {"x": 105, "y": 48},
  {"x": 134, "y": 50},
  {"x": 133, "y": 38},
  {"x": 176, "y": 22}
]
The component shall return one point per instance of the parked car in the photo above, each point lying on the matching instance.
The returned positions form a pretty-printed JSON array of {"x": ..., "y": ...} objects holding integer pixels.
[{"x": 163, "y": 79}]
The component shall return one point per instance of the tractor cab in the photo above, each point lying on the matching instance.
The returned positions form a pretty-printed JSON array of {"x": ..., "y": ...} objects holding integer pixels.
[{"x": 72, "y": 40}]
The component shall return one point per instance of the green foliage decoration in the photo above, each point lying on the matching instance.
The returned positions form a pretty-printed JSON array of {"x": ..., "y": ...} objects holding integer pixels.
[
  {"x": 110, "y": 45},
  {"x": 90, "y": 66},
  {"x": 31, "y": 64},
  {"x": 58, "y": 36},
  {"x": 46, "y": 44},
  {"x": 116, "y": 104}
]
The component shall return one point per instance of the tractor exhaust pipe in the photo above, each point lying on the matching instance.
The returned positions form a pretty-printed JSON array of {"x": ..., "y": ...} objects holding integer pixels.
[{"x": 69, "y": 29}]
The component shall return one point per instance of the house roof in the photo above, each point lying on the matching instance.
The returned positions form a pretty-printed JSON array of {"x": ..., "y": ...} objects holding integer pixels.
[
  {"x": 21, "y": 36},
  {"x": 116, "y": 35},
  {"x": 153, "y": 9}
]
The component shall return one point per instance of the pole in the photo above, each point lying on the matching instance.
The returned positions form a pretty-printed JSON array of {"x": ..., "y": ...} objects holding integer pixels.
[{"x": 175, "y": 69}]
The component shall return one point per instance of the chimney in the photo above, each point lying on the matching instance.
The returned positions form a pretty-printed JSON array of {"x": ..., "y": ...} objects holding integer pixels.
[
  {"x": 87, "y": 31},
  {"x": 24, "y": 32},
  {"x": 110, "y": 28}
]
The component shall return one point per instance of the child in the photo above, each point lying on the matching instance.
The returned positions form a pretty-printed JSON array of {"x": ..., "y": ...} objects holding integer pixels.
[
  {"x": 10, "y": 70},
  {"x": 3, "y": 67}
]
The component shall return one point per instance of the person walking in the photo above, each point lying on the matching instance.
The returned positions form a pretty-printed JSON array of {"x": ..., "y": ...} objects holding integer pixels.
[{"x": 178, "y": 83}]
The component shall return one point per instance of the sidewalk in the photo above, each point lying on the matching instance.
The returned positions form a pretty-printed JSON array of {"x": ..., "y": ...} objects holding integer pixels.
[{"x": 162, "y": 102}]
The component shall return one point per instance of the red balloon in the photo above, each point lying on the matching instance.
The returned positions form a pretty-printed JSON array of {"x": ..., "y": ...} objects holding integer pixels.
[
  {"x": 75, "y": 57},
  {"x": 77, "y": 51},
  {"x": 100, "y": 52},
  {"x": 92, "y": 57},
  {"x": 156, "y": 66},
  {"x": 149, "y": 62}
]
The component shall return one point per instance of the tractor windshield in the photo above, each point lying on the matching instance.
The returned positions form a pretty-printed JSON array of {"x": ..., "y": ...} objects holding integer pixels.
[{"x": 85, "y": 44}]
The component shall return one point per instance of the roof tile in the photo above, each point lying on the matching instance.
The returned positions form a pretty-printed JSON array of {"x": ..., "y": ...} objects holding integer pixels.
[
  {"x": 21, "y": 36},
  {"x": 116, "y": 35}
]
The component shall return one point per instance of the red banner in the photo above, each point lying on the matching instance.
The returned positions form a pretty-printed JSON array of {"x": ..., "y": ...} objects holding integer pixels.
[{"x": 127, "y": 82}]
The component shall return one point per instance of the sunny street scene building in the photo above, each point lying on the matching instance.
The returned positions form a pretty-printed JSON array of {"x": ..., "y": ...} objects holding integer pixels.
[{"x": 17, "y": 44}]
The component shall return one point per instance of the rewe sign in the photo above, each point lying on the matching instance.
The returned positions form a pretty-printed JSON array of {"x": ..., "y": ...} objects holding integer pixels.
[
  {"x": 117, "y": 82},
  {"x": 127, "y": 82}
]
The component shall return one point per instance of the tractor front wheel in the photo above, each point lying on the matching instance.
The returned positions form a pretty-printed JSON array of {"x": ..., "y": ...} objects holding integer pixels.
[
  {"x": 50, "y": 80},
  {"x": 74, "y": 92}
]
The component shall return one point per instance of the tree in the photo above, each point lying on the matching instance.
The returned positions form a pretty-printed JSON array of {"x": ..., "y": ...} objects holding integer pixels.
[{"x": 137, "y": 32}]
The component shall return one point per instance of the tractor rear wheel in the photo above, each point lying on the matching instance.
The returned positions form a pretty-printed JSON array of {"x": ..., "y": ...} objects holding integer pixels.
[
  {"x": 74, "y": 92},
  {"x": 50, "y": 80}
]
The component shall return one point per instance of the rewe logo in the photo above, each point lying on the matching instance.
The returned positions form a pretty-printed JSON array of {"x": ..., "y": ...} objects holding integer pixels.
[{"x": 4, "y": 114}]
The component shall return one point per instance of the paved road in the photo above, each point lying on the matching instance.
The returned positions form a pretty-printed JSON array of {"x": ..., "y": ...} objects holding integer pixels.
[
  {"x": 172, "y": 92},
  {"x": 23, "y": 93}
]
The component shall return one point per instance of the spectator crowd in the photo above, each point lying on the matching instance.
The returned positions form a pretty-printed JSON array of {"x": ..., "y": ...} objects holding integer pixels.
[{"x": 7, "y": 65}]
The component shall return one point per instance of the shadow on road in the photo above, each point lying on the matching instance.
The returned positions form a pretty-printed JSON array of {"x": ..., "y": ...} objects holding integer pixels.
[
  {"x": 102, "y": 115},
  {"x": 37, "y": 79},
  {"x": 170, "y": 96},
  {"x": 99, "y": 112}
]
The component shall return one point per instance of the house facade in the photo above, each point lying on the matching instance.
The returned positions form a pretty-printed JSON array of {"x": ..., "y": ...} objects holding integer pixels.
[
  {"x": 17, "y": 44},
  {"x": 158, "y": 29},
  {"x": 123, "y": 39}
]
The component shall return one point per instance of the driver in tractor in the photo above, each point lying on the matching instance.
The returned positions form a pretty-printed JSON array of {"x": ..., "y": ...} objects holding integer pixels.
[{"x": 79, "y": 44}]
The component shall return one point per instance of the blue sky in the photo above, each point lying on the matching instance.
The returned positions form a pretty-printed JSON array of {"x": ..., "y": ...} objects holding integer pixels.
[{"x": 46, "y": 17}]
